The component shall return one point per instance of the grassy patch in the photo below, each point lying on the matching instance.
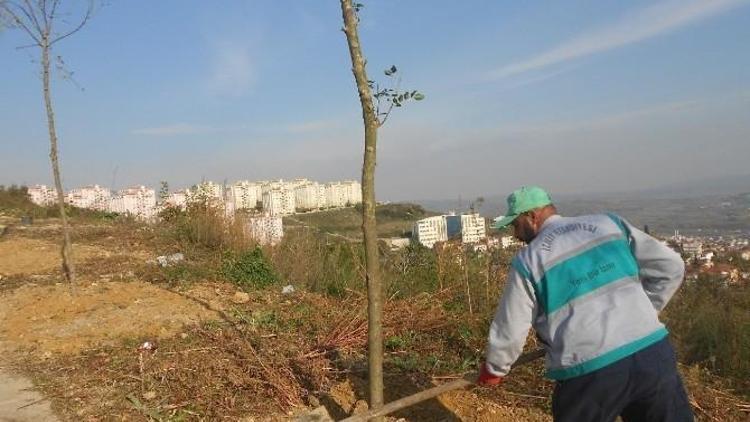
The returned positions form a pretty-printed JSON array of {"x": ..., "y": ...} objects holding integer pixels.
[
  {"x": 249, "y": 270},
  {"x": 394, "y": 220}
]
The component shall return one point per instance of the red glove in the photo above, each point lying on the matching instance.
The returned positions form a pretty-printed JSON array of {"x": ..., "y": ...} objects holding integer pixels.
[{"x": 486, "y": 378}]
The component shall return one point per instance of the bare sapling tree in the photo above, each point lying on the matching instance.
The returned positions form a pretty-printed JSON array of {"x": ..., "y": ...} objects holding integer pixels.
[
  {"x": 376, "y": 107},
  {"x": 39, "y": 20}
]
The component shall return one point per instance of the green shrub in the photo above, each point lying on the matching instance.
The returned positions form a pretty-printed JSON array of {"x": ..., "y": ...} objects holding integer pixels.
[
  {"x": 711, "y": 325},
  {"x": 249, "y": 269}
]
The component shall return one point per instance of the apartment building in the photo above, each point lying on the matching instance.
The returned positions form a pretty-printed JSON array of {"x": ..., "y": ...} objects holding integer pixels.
[
  {"x": 430, "y": 230},
  {"x": 310, "y": 196},
  {"x": 208, "y": 191},
  {"x": 138, "y": 201},
  {"x": 295, "y": 183},
  {"x": 42, "y": 195},
  {"x": 92, "y": 197},
  {"x": 279, "y": 202},
  {"x": 177, "y": 199},
  {"x": 244, "y": 195},
  {"x": 269, "y": 185},
  {"x": 266, "y": 230},
  {"x": 469, "y": 228},
  {"x": 353, "y": 191},
  {"x": 473, "y": 228}
]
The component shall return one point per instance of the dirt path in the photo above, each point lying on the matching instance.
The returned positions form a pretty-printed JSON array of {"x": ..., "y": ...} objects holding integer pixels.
[{"x": 20, "y": 403}]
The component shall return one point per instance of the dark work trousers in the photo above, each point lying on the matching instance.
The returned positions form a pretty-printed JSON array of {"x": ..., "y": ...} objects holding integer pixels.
[{"x": 644, "y": 386}]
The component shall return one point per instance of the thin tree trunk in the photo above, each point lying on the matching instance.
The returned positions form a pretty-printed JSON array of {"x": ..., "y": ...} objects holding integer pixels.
[
  {"x": 67, "y": 248},
  {"x": 465, "y": 263},
  {"x": 369, "y": 228}
]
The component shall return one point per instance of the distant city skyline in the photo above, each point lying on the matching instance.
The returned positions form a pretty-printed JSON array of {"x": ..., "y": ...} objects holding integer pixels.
[{"x": 578, "y": 97}]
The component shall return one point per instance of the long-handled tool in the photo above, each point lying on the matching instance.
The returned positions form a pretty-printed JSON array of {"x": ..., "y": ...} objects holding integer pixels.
[{"x": 321, "y": 414}]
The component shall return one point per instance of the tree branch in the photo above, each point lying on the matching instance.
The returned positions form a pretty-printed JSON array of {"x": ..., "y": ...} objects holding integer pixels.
[
  {"x": 42, "y": 4},
  {"x": 54, "y": 9},
  {"x": 17, "y": 21},
  {"x": 85, "y": 19},
  {"x": 396, "y": 86},
  {"x": 29, "y": 12},
  {"x": 23, "y": 47}
]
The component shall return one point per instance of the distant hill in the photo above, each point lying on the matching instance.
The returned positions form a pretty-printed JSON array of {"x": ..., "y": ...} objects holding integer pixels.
[{"x": 394, "y": 220}]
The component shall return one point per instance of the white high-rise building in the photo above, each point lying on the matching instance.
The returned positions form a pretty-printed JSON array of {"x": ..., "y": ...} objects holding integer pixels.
[
  {"x": 336, "y": 194},
  {"x": 310, "y": 196},
  {"x": 244, "y": 195},
  {"x": 92, "y": 197},
  {"x": 208, "y": 191},
  {"x": 300, "y": 181},
  {"x": 138, "y": 201},
  {"x": 267, "y": 185},
  {"x": 353, "y": 192},
  {"x": 279, "y": 202},
  {"x": 177, "y": 199},
  {"x": 342, "y": 194},
  {"x": 265, "y": 230},
  {"x": 42, "y": 195},
  {"x": 472, "y": 228},
  {"x": 430, "y": 230}
]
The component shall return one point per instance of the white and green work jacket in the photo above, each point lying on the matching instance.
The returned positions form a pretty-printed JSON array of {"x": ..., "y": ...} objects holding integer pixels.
[{"x": 592, "y": 287}]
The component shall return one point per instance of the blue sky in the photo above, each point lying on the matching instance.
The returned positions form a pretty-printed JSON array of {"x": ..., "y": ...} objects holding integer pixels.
[{"x": 578, "y": 96}]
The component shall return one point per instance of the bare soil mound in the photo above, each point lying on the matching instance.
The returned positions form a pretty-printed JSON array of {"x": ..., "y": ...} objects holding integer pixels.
[
  {"x": 32, "y": 256},
  {"x": 48, "y": 319}
]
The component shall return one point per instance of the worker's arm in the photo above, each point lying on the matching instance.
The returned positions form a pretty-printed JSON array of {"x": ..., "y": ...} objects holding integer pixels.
[
  {"x": 509, "y": 328},
  {"x": 660, "y": 268}
]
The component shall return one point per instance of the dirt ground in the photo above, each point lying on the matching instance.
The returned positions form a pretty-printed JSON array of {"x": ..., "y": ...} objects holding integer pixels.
[
  {"x": 48, "y": 320},
  {"x": 20, "y": 255}
]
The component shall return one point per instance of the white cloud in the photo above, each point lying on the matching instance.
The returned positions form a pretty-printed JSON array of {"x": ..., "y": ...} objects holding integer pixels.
[
  {"x": 175, "y": 129},
  {"x": 233, "y": 70},
  {"x": 649, "y": 22}
]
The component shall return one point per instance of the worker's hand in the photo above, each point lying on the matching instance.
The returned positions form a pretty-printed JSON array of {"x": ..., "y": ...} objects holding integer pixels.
[{"x": 486, "y": 377}]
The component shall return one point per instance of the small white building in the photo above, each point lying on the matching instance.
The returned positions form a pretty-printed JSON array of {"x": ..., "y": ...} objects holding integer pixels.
[
  {"x": 42, "y": 195},
  {"x": 396, "y": 243},
  {"x": 430, "y": 230},
  {"x": 509, "y": 242},
  {"x": 692, "y": 248},
  {"x": 473, "y": 228},
  {"x": 266, "y": 230}
]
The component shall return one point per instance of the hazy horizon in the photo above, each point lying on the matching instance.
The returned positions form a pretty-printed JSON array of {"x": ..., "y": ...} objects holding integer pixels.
[{"x": 579, "y": 98}]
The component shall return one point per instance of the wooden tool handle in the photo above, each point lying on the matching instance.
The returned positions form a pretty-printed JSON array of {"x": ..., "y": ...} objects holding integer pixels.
[{"x": 435, "y": 391}]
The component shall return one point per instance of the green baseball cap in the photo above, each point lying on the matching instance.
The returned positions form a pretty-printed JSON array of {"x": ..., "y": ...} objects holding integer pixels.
[{"x": 521, "y": 200}]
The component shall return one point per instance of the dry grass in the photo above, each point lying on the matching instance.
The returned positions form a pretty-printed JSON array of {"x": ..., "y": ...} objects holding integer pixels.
[
  {"x": 278, "y": 353},
  {"x": 210, "y": 373}
]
